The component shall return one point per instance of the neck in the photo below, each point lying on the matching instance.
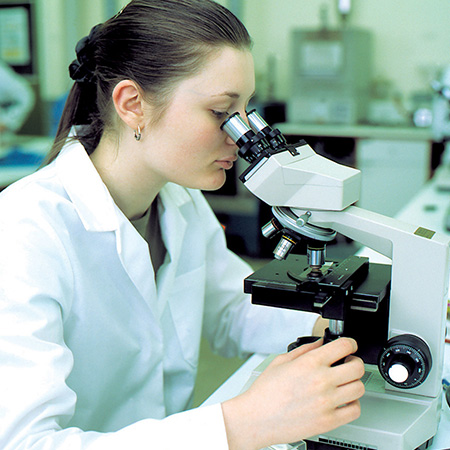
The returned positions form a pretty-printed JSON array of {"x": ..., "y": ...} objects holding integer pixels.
[{"x": 120, "y": 165}]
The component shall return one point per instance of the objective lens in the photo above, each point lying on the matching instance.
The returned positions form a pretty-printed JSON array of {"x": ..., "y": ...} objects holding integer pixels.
[
  {"x": 284, "y": 247},
  {"x": 235, "y": 127}
]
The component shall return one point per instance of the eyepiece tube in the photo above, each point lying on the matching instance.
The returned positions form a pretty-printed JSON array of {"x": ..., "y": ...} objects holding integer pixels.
[
  {"x": 235, "y": 127},
  {"x": 257, "y": 123},
  {"x": 261, "y": 127},
  {"x": 251, "y": 146}
]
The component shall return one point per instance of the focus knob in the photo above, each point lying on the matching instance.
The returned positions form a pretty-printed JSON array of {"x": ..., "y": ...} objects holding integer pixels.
[
  {"x": 405, "y": 361},
  {"x": 399, "y": 373}
]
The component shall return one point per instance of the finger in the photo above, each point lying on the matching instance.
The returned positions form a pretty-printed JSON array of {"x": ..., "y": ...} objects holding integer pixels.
[
  {"x": 351, "y": 370},
  {"x": 348, "y": 393},
  {"x": 338, "y": 349},
  {"x": 347, "y": 413}
]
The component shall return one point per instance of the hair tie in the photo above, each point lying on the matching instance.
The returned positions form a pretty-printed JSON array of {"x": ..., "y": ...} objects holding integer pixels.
[{"x": 82, "y": 69}]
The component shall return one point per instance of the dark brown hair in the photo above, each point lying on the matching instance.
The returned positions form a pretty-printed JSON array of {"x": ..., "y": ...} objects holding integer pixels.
[{"x": 155, "y": 43}]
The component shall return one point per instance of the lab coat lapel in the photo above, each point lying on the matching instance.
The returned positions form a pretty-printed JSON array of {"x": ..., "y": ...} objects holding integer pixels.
[
  {"x": 181, "y": 284},
  {"x": 135, "y": 257},
  {"x": 173, "y": 223},
  {"x": 173, "y": 230}
]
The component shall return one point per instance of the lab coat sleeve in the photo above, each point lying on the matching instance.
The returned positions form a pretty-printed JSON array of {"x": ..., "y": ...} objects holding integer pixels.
[
  {"x": 36, "y": 287},
  {"x": 232, "y": 324},
  {"x": 16, "y": 98}
]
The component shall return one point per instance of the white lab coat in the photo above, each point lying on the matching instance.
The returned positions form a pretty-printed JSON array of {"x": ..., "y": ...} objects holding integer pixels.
[{"x": 95, "y": 355}]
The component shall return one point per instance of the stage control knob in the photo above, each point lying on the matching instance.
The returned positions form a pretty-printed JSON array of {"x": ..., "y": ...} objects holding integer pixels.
[{"x": 405, "y": 361}]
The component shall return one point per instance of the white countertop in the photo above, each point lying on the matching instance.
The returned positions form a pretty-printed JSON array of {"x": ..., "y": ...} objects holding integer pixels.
[{"x": 355, "y": 131}]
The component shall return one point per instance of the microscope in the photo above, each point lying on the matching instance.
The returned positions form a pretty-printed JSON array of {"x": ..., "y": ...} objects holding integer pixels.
[{"x": 396, "y": 312}]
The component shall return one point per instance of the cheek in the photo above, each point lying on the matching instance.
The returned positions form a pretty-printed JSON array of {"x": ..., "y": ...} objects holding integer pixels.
[
  {"x": 184, "y": 145},
  {"x": 201, "y": 143}
]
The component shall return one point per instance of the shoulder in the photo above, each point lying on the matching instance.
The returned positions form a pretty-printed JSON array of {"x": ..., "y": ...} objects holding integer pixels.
[
  {"x": 33, "y": 238},
  {"x": 32, "y": 197}
]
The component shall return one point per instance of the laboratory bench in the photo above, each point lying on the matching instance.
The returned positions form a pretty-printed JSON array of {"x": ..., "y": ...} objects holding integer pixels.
[{"x": 357, "y": 131}]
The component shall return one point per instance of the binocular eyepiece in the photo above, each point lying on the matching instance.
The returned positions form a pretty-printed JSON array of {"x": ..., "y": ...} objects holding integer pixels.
[{"x": 254, "y": 141}]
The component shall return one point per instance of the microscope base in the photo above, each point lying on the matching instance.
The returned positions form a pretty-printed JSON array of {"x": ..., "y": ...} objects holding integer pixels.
[
  {"x": 388, "y": 421},
  {"x": 312, "y": 445}
]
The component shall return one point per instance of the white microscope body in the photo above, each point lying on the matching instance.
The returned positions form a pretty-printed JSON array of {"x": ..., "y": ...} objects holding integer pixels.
[{"x": 401, "y": 410}]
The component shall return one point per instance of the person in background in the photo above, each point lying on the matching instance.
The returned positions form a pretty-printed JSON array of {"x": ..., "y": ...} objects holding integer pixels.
[
  {"x": 16, "y": 99},
  {"x": 113, "y": 265}
]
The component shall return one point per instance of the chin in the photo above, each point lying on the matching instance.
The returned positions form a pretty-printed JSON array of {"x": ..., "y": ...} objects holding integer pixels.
[{"x": 213, "y": 184}]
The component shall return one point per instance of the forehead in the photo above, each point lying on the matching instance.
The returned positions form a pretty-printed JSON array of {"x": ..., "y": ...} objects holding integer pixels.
[{"x": 228, "y": 73}]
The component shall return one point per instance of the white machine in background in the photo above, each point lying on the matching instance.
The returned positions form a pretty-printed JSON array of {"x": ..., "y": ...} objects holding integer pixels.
[
  {"x": 331, "y": 76},
  {"x": 441, "y": 107},
  {"x": 396, "y": 313}
]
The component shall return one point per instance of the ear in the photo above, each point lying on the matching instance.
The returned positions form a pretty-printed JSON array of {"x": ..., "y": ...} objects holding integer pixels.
[{"x": 129, "y": 103}]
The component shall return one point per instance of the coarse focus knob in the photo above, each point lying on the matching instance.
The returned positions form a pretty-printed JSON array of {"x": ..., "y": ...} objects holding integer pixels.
[{"x": 405, "y": 361}]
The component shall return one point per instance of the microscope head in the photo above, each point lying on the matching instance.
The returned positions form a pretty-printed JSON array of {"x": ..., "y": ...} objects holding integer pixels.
[
  {"x": 291, "y": 176},
  {"x": 294, "y": 180}
]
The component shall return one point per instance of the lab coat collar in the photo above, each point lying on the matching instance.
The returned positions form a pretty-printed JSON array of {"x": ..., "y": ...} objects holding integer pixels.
[
  {"x": 85, "y": 188},
  {"x": 90, "y": 196}
]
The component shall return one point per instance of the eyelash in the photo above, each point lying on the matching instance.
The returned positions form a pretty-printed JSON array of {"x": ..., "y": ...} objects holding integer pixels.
[{"x": 219, "y": 114}]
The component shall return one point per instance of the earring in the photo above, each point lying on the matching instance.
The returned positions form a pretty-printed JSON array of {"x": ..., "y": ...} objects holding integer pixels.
[{"x": 137, "y": 133}]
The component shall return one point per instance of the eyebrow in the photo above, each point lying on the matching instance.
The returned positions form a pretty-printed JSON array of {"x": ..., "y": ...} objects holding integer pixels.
[{"x": 231, "y": 94}]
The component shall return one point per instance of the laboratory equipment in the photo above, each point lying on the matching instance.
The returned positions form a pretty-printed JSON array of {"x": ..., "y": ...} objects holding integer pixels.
[
  {"x": 396, "y": 312},
  {"x": 441, "y": 131},
  {"x": 441, "y": 127},
  {"x": 331, "y": 75},
  {"x": 441, "y": 107}
]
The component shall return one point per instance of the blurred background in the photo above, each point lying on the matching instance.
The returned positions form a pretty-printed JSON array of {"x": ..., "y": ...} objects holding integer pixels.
[{"x": 365, "y": 82}]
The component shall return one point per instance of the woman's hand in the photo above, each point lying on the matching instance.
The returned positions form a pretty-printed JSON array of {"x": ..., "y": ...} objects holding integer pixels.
[{"x": 299, "y": 395}]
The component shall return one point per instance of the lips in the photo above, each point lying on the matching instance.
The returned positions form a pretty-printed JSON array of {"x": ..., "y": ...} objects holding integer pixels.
[
  {"x": 226, "y": 163},
  {"x": 230, "y": 159}
]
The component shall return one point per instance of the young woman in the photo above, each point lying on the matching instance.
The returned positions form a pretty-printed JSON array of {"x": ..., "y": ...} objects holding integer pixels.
[{"x": 112, "y": 264}]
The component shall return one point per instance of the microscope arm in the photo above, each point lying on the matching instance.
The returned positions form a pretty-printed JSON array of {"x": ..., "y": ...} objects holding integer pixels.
[{"x": 420, "y": 274}]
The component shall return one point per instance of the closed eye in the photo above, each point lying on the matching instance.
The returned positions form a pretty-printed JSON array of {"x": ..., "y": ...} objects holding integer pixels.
[{"x": 220, "y": 115}]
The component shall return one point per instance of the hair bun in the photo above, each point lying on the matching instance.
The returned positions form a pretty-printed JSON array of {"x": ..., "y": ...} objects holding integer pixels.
[{"x": 82, "y": 69}]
